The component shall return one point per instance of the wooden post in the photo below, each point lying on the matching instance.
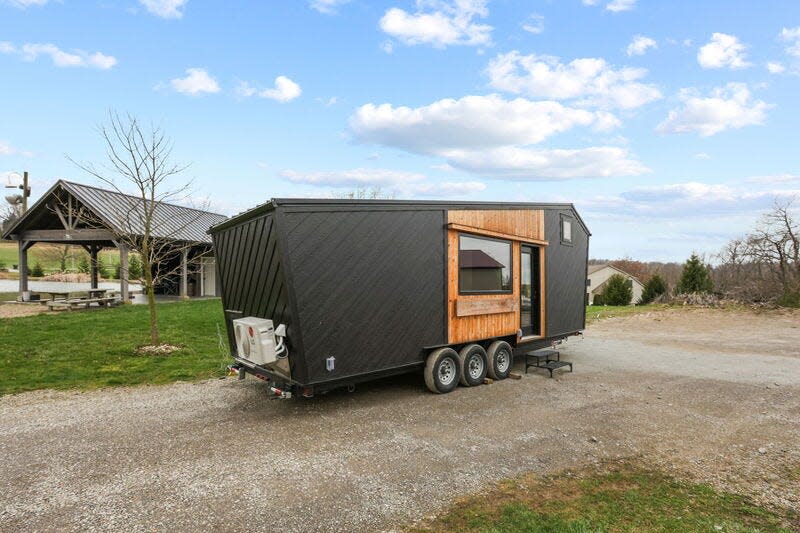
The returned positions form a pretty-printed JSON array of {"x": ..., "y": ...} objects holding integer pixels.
[
  {"x": 93, "y": 265},
  {"x": 23, "y": 268},
  {"x": 184, "y": 274},
  {"x": 123, "y": 272}
]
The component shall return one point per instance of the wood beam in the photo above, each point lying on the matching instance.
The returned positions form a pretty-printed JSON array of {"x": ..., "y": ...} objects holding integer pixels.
[
  {"x": 61, "y": 217},
  {"x": 123, "y": 272},
  {"x": 93, "y": 265},
  {"x": 499, "y": 235},
  {"x": 184, "y": 273},
  {"x": 23, "y": 268},
  {"x": 66, "y": 235}
]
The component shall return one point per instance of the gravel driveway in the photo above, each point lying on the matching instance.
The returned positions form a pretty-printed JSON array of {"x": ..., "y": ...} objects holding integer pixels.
[{"x": 710, "y": 395}]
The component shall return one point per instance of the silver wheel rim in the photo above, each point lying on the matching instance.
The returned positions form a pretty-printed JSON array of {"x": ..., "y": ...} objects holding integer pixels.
[
  {"x": 475, "y": 366},
  {"x": 502, "y": 361},
  {"x": 447, "y": 371}
]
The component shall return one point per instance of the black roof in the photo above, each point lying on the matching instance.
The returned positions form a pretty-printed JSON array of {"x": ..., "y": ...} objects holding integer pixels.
[
  {"x": 171, "y": 221},
  {"x": 335, "y": 204}
]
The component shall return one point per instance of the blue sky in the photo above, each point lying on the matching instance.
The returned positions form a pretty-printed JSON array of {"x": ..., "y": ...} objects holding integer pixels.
[{"x": 671, "y": 125}]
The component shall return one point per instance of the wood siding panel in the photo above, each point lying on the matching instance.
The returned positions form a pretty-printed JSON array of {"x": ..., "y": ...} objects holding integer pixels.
[{"x": 527, "y": 225}]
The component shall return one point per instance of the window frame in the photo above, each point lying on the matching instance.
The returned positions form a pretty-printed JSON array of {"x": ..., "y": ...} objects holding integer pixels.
[
  {"x": 510, "y": 290},
  {"x": 571, "y": 220}
]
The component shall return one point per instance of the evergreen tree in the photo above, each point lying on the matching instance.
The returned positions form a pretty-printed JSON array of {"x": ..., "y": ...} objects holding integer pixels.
[
  {"x": 37, "y": 271},
  {"x": 695, "y": 277},
  {"x": 655, "y": 287},
  {"x": 83, "y": 265},
  {"x": 617, "y": 291},
  {"x": 134, "y": 267}
]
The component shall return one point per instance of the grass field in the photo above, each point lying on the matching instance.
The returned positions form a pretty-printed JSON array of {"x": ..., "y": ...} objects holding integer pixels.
[
  {"x": 92, "y": 349},
  {"x": 595, "y": 312},
  {"x": 625, "y": 498},
  {"x": 46, "y": 255}
]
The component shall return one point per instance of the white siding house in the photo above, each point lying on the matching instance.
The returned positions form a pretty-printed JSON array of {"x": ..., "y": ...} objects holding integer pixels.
[{"x": 599, "y": 274}]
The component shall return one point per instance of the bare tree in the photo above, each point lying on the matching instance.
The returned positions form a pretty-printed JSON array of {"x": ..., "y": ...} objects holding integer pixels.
[
  {"x": 765, "y": 264},
  {"x": 139, "y": 158},
  {"x": 367, "y": 193}
]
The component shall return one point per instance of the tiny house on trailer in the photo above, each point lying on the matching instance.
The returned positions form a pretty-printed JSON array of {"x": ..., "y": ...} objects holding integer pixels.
[{"x": 321, "y": 294}]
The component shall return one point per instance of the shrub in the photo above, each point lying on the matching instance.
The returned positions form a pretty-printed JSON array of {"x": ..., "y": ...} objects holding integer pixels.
[
  {"x": 617, "y": 291},
  {"x": 789, "y": 299},
  {"x": 83, "y": 265},
  {"x": 134, "y": 267},
  {"x": 2, "y": 266},
  {"x": 37, "y": 271},
  {"x": 655, "y": 287},
  {"x": 695, "y": 277}
]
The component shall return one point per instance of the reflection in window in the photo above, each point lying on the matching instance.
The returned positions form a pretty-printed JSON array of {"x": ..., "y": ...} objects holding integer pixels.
[
  {"x": 484, "y": 265},
  {"x": 566, "y": 230}
]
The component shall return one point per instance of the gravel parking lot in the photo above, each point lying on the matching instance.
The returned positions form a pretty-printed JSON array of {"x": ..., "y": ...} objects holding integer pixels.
[{"x": 709, "y": 395}]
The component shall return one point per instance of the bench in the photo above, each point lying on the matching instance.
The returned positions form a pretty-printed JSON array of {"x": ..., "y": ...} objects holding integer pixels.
[
  {"x": 78, "y": 303},
  {"x": 548, "y": 359}
]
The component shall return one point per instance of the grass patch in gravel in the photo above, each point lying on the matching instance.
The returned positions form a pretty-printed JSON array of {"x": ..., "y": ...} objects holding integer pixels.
[
  {"x": 96, "y": 348},
  {"x": 596, "y": 312},
  {"x": 620, "y": 499}
]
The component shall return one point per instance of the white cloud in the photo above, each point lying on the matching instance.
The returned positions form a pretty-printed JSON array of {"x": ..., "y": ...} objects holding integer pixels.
[
  {"x": 197, "y": 81},
  {"x": 285, "y": 90},
  {"x": 590, "y": 80},
  {"x": 639, "y": 45},
  {"x": 5, "y": 148},
  {"x": 522, "y": 163},
  {"x": 721, "y": 51},
  {"x": 327, "y": 7},
  {"x": 792, "y": 37},
  {"x": 471, "y": 122},
  {"x": 775, "y": 179},
  {"x": 60, "y": 58},
  {"x": 702, "y": 156},
  {"x": 534, "y": 24},
  {"x": 728, "y": 107},
  {"x": 491, "y": 136},
  {"x": 22, "y": 4},
  {"x": 775, "y": 68},
  {"x": 168, "y": 9},
  {"x": 404, "y": 184},
  {"x": 620, "y": 5},
  {"x": 679, "y": 200},
  {"x": 439, "y": 23}
]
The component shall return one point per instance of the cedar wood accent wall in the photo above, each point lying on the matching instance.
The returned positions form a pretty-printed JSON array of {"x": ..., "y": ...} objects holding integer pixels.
[{"x": 480, "y": 316}]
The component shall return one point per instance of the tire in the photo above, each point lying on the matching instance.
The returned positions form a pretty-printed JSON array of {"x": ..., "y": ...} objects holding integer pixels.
[
  {"x": 473, "y": 365},
  {"x": 501, "y": 359},
  {"x": 442, "y": 370}
]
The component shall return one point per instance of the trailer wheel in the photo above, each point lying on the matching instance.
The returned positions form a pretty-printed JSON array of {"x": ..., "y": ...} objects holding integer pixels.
[
  {"x": 473, "y": 365},
  {"x": 501, "y": 358},
  {"x": 442, "y": 370}
]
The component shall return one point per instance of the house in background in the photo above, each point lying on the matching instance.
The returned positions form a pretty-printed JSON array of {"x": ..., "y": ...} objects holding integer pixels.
[{"x": 599, "y": 275}]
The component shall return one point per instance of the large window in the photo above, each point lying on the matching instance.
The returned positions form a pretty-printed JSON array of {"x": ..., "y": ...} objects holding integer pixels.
[{"x": 484, "y": 265}]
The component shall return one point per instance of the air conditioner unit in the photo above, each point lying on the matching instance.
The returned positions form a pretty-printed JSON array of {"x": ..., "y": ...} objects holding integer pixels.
[{"x": 255, "y": 340}]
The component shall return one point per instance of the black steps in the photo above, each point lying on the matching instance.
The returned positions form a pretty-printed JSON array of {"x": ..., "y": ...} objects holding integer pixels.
[{"x": 547, "y": 359}]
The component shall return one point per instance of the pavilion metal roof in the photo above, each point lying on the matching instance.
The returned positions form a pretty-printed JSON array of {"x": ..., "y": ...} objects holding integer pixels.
[{"x": 121, "y": 213}]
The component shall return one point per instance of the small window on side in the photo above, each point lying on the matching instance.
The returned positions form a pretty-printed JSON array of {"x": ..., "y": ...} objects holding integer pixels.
[{"x": 566, "y": 230}]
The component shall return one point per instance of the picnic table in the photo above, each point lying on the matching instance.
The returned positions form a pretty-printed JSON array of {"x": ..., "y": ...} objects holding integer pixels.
[
  {"x": 94, "y": 296},
  {"x": 62, "y": 295}
]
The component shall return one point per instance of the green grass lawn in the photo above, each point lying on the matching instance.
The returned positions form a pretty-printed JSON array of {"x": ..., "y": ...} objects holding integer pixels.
[
  {"x": 594, "y": 312},
  {"x": 8, "y": 296},
  {"x": 9, "y": 256},
  {"x": 90, "y": 349},
  {"x": 624, "y": 499}
]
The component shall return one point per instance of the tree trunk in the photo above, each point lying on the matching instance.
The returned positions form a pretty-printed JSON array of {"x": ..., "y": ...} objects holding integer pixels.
[{"x": 151, "y": 297}]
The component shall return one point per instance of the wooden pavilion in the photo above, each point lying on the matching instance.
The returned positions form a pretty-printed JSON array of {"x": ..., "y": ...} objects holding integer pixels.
[{"x": 94, "y": 218}]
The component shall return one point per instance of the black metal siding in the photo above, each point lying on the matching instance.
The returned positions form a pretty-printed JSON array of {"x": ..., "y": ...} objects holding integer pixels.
[
  {"x": 367, "y": 285},
  {"x": 565, "y": 274},
  {"x": 251, "y": 279}
]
